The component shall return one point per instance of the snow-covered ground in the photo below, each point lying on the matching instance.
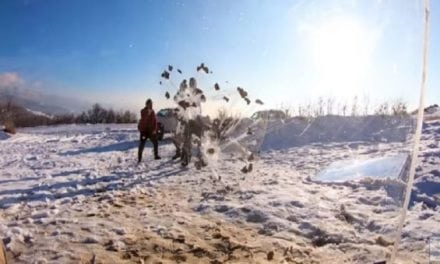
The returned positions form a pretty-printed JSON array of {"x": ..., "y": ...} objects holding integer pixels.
[{"x": 75, "y": 194}]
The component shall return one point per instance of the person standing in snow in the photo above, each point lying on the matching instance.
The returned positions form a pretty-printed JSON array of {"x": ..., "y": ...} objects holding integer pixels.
[{"x": 148, "y": 129}]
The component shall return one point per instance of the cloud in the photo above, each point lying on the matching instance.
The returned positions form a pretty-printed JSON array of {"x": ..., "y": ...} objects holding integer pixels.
[{"x": 10, "y": 79}]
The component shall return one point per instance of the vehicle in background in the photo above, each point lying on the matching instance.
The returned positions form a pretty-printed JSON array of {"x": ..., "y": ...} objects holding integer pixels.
[
  {"x": 269, "y": 115},
  {"x": 167, "y": 122}
]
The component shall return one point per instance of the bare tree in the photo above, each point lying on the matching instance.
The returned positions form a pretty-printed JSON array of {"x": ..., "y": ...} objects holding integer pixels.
[{"x": 354, "y": 106}]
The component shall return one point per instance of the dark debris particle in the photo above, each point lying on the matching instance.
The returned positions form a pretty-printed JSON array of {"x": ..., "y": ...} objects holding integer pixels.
[
  {"x": 258, "y": 101},
  {"x": 211, "y": 151},
  {"x": 242, "y": 92},
  {"x": 203, "y": 67},
  {"x": 248, "y": 101},
  {"x": 250, "y": 167},
  {"x": 198, "y": 91},
  {"x": 249, "y": 131},
  {"x": 226, "y": 98},
  {"x": 165, "y": 75},
  {"x": 251, "y": 157},
  {"x": 170, "y": 68},
  {"x": 167, "y": 95},
  {"x": 244, "y": 169},
  {"x": 179, "y": 71},
  {"x": 184, "y": 84},
  {"x": 184, "y": 104},
  {"x": 216, "y": 86}
]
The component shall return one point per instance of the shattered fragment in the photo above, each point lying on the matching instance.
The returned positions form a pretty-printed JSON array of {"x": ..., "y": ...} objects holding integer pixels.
[
  {"x": 244, "y": 169},
  {"x": 170, "y": 68},
  {"x": 248, "y": 101},
  {"x": 226, "y": 98},
  {"x": 183, "y": 84},
  {"x": 198, "y": 91},
  {"x": 242, "y": 92},
  {"x": 211, "y": 151},
  {"x": 203, "y": 68},
  {"x": 258, "y": 101},
  {"x": 184, "y": 104},
  {"x": 216, "y": 86},
  {"x": 179, "y": 71},
  {"x": 251, "y": 157},
  {"x": 250, "y": 167},
  {"x": 249, "y": 132},
  {"x": 167, "y": 95},
  {"x": 193, "y": 83},
  {"x": 165, "y": 75}
]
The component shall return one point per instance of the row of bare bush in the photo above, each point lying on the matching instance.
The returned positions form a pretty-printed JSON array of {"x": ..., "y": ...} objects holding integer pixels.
[
  {"x": 329, "y": 106},
  {"x": 12, "y": 116}
]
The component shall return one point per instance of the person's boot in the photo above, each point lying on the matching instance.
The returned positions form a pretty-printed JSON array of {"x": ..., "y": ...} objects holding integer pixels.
[
  {"x": 185, "y": 159},
  {"x": 177, "y": 155},
  {"x": 139, "y": 157}
]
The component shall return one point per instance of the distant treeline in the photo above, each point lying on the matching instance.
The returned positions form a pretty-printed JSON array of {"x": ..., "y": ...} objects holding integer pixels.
[{"x": 17, "y": 116}]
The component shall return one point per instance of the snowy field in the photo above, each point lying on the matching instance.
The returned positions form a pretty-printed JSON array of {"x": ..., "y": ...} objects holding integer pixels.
[{"x": 75, "y": 194}]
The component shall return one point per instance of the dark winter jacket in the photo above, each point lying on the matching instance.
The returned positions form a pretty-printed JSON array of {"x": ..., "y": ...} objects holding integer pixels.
[{"x": 148, "y": 122}]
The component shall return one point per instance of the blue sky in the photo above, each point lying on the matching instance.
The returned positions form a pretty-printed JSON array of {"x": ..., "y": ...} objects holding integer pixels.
[{"x": 284, "y": 52}]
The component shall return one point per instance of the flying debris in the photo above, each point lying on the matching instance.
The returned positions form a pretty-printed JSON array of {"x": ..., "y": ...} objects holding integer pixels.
[
  {"x": 226, "y": 99},
  {"x": 251, "y": 157},
  {"x": 244, "y": 169},
  {"x": 250, "y": 167},
  {"x": 210, "y": 151},
  {"x": 167, "y": 95},
  {"x": 203, "y": 67},
  {"x": 248, "y": 101},
  {"x": 184, "y": 104},
  {"x": 165, "y": 75},
  {"x": 192, "y": 82},
  {"x": 242, "y": 92},
  {"x": 203, "y": 98},
  {"x": 179, "y": 71},
  {"x": 183, "y": 85},
  {"x": 258, "y": 101},
  {"x": 198, "y": 91},
  {"x": 216, "y": 86},
  {"x": 249, "y": 132},
  {"x": 170, "y": 68},
  {"x": 160, "y": 82}
]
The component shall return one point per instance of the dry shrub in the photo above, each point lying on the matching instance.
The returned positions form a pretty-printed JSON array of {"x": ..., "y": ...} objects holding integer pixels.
[{"x": 222, "y": 124}]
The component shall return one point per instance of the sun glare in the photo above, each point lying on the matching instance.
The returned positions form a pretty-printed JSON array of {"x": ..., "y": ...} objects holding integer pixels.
[{"x": 341, "y": 51}]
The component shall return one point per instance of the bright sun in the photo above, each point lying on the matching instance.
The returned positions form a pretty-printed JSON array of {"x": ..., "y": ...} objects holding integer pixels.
[{"x": 341, "y": 50}]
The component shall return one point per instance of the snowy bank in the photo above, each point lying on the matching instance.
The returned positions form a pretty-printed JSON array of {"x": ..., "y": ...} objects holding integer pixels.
[{"x": 297, "y": 132}]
